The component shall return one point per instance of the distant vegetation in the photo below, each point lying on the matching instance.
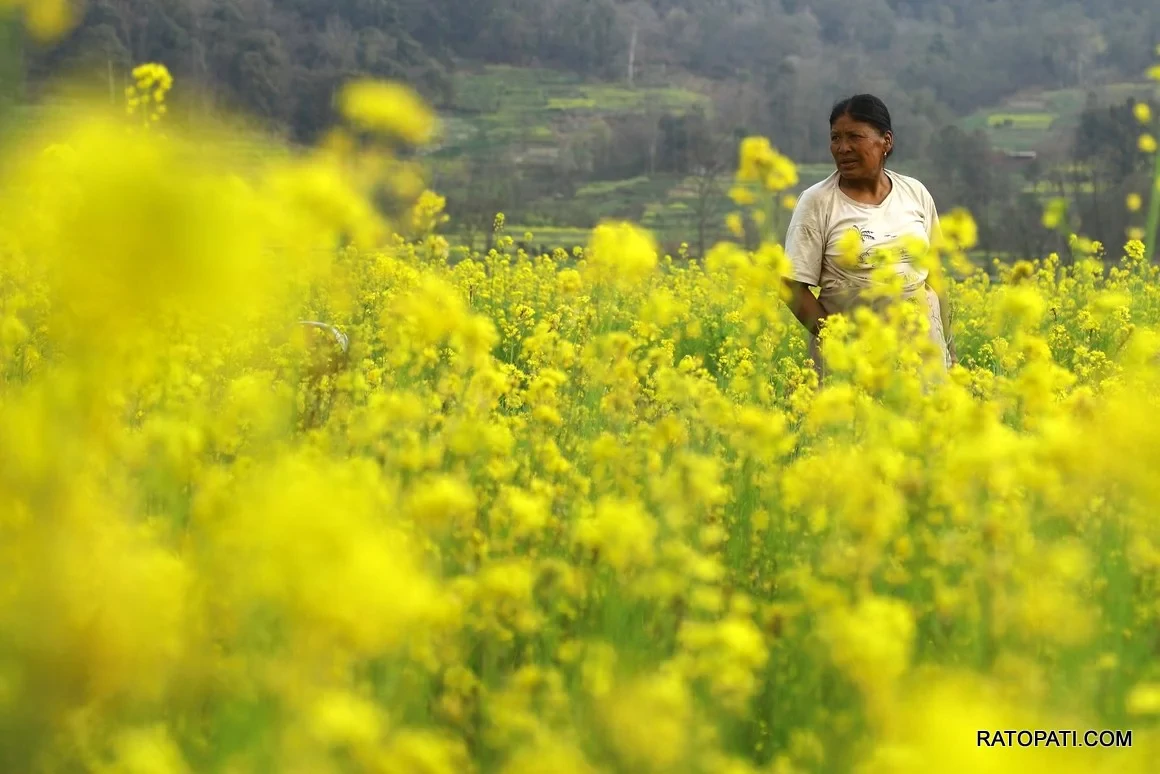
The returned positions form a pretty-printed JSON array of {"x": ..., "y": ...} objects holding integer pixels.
[{"x": 541, "y": 98}]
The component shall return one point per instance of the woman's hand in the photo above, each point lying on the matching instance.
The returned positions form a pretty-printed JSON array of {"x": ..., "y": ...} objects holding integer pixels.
[
  {"x": 805, "y": 306},
  {"x": 944, "y": 310}
]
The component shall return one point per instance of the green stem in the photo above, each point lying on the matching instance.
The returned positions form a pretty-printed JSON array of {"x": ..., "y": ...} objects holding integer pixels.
[{"x": 1153, "y": 211}]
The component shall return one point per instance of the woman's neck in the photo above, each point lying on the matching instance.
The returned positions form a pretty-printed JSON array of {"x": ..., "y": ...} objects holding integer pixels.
[{"x": 871, "y": 191}]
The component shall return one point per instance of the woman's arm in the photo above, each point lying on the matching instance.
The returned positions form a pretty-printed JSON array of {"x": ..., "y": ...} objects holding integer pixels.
[
  {"x": 944, "y": 308},
  {"x": 804, "y": 306},
  {"x": 805, "y": 246}
]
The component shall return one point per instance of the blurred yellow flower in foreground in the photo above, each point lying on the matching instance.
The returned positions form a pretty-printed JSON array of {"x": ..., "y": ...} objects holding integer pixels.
[
  {"x": 388, "y": 108},
  {"x": 1054, "y": 213},
  {"x": 959, "y": 228},
  {"x": 871, "y": 642},
  {"x": 1144, "y": 699},
  {"x": 762, "y": 164},
  {"x": 850, "y": 247},
  {"x": 622, "y": 253},
  {"x": 46, "y": 19},
  {"x": 143, "y": 750}
]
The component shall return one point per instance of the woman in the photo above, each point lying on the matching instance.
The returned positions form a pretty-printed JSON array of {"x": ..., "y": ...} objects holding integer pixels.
[{"x": 887, "y": 210}]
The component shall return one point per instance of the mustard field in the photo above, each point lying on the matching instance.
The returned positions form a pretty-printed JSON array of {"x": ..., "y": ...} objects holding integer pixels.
[{"x": 577, "y": 512}]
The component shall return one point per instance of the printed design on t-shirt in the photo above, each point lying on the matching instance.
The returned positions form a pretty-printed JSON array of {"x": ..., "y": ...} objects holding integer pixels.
[{"x": 870, "y": 257}]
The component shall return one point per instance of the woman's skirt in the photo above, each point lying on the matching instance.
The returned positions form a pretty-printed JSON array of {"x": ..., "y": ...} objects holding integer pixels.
[{"x": 929, "y": 300}]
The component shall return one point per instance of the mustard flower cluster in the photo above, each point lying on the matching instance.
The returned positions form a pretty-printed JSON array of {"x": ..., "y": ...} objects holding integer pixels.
[{"x": 146, "y": 96}]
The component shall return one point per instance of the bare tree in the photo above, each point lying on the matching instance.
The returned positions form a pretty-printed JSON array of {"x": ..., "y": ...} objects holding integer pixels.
[
  {"x": 712, "y": 164},
  {"x": 632, "y": 53},
  {"x": 645, "y": 35}
]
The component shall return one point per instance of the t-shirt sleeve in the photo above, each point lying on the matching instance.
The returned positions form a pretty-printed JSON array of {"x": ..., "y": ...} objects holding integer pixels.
[
  {"x": 933, "y": 228},
  {"x": 805, "y": 244}
]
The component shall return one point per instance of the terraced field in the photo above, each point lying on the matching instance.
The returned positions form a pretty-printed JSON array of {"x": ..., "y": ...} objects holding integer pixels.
[
  {"x": 498, "y": 106},
  {"x": 1033, "y": 121},
  {"x": 527, "y": 115}
]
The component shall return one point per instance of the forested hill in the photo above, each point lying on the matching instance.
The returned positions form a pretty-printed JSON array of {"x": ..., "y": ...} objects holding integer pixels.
[
  {"x": 280, "y": 59},
  {"x": 562, "y": 113}
]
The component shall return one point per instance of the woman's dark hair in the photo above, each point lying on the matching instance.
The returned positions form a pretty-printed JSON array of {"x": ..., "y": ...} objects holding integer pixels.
[{"x": 866, "y": 108}]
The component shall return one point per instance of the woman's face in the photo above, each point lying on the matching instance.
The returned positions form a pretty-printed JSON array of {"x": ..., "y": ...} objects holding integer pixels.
[{"x": 858, "y": 148}]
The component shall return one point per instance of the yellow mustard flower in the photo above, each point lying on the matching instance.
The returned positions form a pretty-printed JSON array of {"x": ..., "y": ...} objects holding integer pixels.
[{"x": 388, "y": 108}]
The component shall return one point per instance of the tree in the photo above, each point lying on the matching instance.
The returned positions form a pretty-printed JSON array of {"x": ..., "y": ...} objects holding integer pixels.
[
  {"x": 711, "y": 168},
  {"x": 1107, "y": 166},
  {"x": 967, "y": 175},
  {"x": 260, "y": 73},
  {"x": 478, "y": 190}
]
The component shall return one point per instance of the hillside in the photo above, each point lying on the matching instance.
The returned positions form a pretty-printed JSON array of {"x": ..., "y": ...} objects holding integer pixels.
[
  {"x": 767, "y": 62},
  {"x": 563, "y": 112},
  {"x": 546, "y": 144},
  {"x": 1045, "y": 121}
]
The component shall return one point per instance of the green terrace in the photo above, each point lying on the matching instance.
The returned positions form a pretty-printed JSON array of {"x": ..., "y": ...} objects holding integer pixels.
[
  {"x": 509, "y": 90},
  {"x": 1032, "y": 121},
  {"x": 498, "y": 106}
]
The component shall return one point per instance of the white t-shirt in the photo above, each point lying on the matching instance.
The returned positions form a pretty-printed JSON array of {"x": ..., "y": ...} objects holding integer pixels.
[{"x": 824, "y": 214}]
